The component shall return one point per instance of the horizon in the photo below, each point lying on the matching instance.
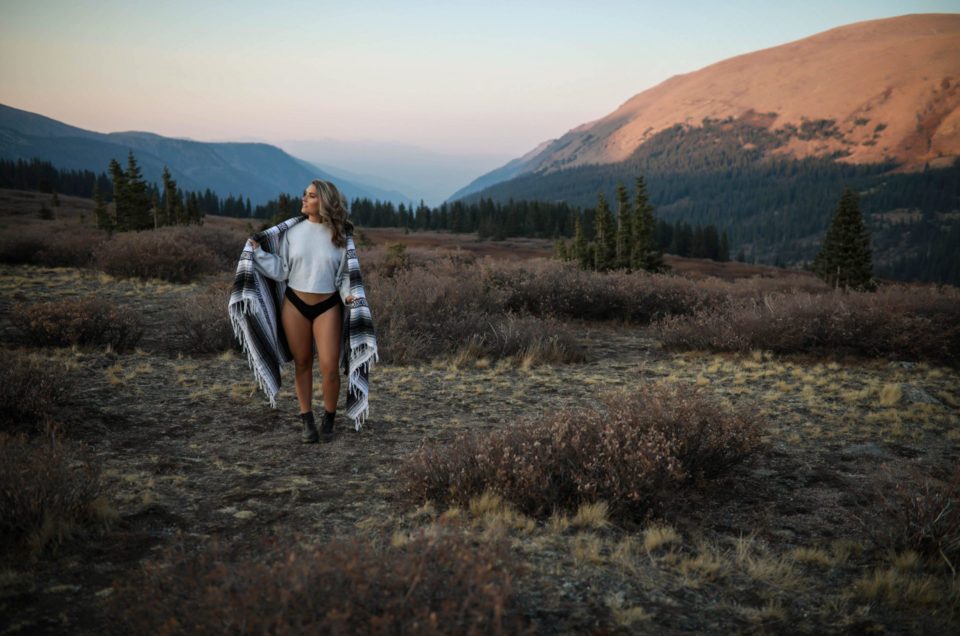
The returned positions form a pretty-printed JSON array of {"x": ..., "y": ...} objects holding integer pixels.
[{"x": 450, "y": 80}]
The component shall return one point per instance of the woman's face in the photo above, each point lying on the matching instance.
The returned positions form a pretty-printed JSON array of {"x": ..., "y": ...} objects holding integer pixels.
[{"x": 311, "y": 201}]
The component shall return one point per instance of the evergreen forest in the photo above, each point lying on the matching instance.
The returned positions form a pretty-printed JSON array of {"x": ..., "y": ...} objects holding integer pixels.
[{"x": 775, "y": 209}]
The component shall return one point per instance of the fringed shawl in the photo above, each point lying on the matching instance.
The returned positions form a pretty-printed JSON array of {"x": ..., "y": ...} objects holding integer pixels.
[{"x": 254, "y": 309}]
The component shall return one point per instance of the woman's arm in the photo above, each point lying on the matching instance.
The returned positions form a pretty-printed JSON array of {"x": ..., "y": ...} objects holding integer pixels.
[{"x": 270, "y": 265}]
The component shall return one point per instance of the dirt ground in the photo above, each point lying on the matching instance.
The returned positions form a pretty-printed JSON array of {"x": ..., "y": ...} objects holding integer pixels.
[{"x": 190, "y": 449}]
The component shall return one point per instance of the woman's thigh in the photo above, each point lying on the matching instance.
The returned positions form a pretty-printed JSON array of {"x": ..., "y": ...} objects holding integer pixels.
[
  {"x": 326, "y": 333},
  {"x": 298, "y": 331}
]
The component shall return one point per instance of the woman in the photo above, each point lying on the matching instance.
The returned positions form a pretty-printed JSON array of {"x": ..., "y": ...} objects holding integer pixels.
[{"x": 313, "y": 261}]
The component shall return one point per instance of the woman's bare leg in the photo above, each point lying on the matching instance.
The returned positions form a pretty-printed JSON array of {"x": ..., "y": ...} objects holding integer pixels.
[
  {"x": 326, "y": 333},
  {"x": 300, "y": 340}
]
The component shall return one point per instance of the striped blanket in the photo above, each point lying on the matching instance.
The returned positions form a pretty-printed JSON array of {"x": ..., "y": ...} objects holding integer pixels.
[{"x": 254, "y": 309}]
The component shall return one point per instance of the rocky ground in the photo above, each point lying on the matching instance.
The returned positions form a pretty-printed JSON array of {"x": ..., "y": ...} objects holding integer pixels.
[{"x": 189, "y": 449}]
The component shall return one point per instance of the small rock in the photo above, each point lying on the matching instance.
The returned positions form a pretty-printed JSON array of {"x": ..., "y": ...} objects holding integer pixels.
[
  {"x": 245, "y": 514},
  {"x": 913, "y": 394},
  {"x": 901, "y": 364},
  {"x": 866, "y": 449}
]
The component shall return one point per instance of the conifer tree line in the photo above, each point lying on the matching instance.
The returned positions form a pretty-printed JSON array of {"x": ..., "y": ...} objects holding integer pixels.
[
  {"x": 626, "y": 241},
  {"x": 42, "y": 176},
  {"x": 137, "y": 206},
  {"x": 542, "y": 219}
]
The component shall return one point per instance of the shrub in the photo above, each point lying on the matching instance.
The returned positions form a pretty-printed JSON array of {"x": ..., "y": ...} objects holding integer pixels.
[
  {"x": 910, "y": 323},
  {"x": 422, "y": 312},
  {"x": 432, "y": 585},
  {"x": 29, "y": 392},
  {"x": 529, "y": 339},
  {"x": 85, "y": 321},
  {"x": 634, "y": 453},
  {"x": 174, "y": 254},
  {"x": 202, "y": 318},
  {"x": 922, "y": 513},
  {"x": 51, "y": 246},
  {"x": 549, "y": 288},
  {"x": 44, "y": 495}
]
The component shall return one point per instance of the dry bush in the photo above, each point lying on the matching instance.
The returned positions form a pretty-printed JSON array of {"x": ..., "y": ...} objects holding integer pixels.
[
  {"x": 921, "y": 513},
  {"x": 175, "y": 254},
  {"x": 422, "y": 312},
  {"x": 84, "y": 321},
  {"x": 551, "y": 288},
  {"x": 57, "y": 245},
  {"x": 30, "y": 391},
  {"x": 908, "y": 323},
  {"x": 440, "y": 584},
  {"x": 203, "y": 319},
  {"x": 45, "y": 496},
  {"x": 535, "y": 340},
  {"x": 634, "y": 452}
]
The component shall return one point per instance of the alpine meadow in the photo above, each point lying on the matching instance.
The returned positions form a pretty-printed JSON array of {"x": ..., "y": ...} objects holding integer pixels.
[{"x": 691, "y": 367}]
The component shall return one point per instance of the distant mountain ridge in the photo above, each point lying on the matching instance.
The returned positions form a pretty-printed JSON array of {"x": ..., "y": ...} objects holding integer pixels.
[
  {"x": 869, "y": 92},
  {"x": 256, "y": 171}
]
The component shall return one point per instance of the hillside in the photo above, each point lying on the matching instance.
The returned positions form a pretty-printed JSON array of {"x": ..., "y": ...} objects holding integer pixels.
[
  {"x": 872, "y": 91},
  {"x": 255, "y": 170},
  {"x": 762, "y": 145}
]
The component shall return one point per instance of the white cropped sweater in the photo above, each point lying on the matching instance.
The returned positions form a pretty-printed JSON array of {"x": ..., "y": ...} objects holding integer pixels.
[{"x": 308, "y": 260}]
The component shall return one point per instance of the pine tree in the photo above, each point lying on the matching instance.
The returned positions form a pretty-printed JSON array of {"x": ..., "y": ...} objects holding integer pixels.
[
  {"x": 624, "y": 229},
  {"x": 121, "y": 207},
  {"x": 724, "y": 254},
  {"x": 103, "y": 219},
  {"x": 171, "y": 197},
  {"x": 155, "y": 209},
  {"x": 138, "y": 200},
  {"x": 560, "y": 249},
  {"x": 845, "y": 258},
  {"x": 581, "y": 247},
  {"x": 645, "y": 253},
  {"x": 606, "y": 238}
]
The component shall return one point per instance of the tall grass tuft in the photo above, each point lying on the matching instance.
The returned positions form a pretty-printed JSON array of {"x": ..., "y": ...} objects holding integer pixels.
[
  {"x": 30, "y": 392},
  {"x": 45, "y": 495}
]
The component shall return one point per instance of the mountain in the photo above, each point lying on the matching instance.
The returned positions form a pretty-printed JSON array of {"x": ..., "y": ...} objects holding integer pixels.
[
  {"x": 761, "y": 145},
  {"x": 503, "y": 173},
  {"x": 255, "y": 170},
  {"x": 865, "y": 93},
  {"x": 421, "y": 173}
]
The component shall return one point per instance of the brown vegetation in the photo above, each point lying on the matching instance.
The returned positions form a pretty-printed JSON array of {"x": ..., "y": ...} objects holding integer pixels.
[
  {"x": 635, "y": 454},
  {"x": 30, "y": 392},
  {"x": 434, "y": 583},
  {"x": 223, "y": 518},
  {"x": 45, "y": 495},
  {"x": 909, "y": 323},
  {"x": 83, "y": 321}
]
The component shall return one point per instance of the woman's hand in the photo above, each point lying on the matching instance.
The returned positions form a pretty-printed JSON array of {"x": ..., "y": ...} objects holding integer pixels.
[
  {"x": 253, "y": 243},
  {"x": 349, "y": 299}
]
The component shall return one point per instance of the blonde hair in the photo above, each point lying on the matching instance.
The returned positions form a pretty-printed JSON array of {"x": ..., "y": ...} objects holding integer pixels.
[{"x": 333, "y": 210}]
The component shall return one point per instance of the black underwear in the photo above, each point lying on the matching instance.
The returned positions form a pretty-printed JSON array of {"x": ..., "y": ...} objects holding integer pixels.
[{"x": 311, "y": 312}]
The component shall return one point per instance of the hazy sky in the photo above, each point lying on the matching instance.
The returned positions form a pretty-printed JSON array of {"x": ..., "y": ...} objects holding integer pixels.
[{"x": 463, "y": 77}]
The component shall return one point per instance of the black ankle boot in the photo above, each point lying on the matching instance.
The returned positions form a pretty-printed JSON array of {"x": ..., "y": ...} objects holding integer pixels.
[
  {"x": 309, "y": 435},
  {"x": 326, "y": 426}
]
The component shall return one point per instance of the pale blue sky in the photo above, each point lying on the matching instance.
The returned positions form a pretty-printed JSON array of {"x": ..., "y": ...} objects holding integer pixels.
[{"x": 463, "y": 77}]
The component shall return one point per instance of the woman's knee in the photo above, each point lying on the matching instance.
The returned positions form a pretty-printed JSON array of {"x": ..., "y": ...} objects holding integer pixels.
[
  {"x": 330, "y": 372},
  {"x": 302, "y": 364}
]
